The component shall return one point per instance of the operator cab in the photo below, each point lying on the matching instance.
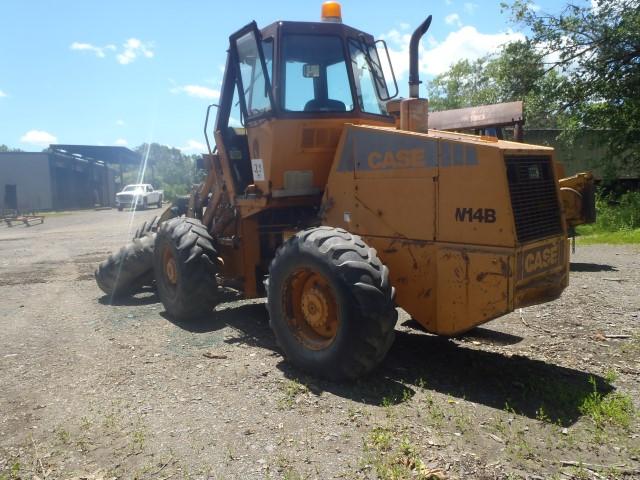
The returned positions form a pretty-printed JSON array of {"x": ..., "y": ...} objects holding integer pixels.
[{"x": 299, "y": 71}]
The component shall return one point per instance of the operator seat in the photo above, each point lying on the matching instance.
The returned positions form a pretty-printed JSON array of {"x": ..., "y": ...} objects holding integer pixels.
[{"x": 328, "y": 105}]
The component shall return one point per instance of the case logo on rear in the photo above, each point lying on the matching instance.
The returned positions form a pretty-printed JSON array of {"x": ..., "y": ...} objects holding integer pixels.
[{"x": 540, "y": 259}]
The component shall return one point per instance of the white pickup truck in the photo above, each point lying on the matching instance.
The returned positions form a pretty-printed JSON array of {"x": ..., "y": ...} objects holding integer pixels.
[{"x": 140, "y": 195}]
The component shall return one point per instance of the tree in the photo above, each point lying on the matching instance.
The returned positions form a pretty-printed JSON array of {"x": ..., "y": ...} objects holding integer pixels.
[
  {"x": 4, "y": 148},
  {"x": 595, "y": 51},
  {"x": 516, "y": 73},
  {"x": 465, "y": 84},
  {"x": 166, "y": 167}
]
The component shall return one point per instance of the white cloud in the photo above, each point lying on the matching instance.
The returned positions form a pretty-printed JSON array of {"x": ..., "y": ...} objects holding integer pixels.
[
  {"x": 38, "y": 137},
  {"x": 120, "y": 123},
  {"x": 464, "y": 43},
  {"x": 453, "y": 19},
  {"x": 132, "y": 49},
  {"x": 193, "y": 146},
  {"x": 121, "y": 142},
  {"x": 87, "y": 47},
  {"x": 198, "y": 91},
  {"x": 470, "y": 7},
  {"x": 2, "y": 94}
]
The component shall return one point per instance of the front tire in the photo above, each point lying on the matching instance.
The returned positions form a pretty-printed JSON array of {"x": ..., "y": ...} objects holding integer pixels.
[
  {"x": 127, "y": 270},
  {"x": 185, "y": 265},
  {"x": 330, "y": 303}
]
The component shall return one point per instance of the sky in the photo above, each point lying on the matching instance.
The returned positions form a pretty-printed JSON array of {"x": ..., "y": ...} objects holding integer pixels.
[{"x": 125, "y": 72}]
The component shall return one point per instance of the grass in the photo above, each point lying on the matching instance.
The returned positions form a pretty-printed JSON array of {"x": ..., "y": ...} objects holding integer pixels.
[
  {"x": 397, "y": 397},
  {"x": 291, "y": 389},
  {"x": 614, "y": 409},
  {"x": 617, "y": 221},
  {"x": 395, "y": 461},
  {"x": 138, "y": 439},
  {"x": 63, "y": 435},
  {"x": 591, "y": 234},
  {"x": 13, "y": 473}
]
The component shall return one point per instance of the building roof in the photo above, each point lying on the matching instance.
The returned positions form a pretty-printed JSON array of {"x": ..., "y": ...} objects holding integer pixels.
[{"x": 121, "y": 155}]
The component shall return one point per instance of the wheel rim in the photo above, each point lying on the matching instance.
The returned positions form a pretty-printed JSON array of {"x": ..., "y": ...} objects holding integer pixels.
[
  {"x": 311, "y": 308},
  {"x": 169, "y": 266}
]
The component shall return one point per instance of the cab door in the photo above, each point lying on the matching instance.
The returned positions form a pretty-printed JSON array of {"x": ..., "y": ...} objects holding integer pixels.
[
  {"x": 253, "y": 89},
  {"x": 253, "y": 79}
]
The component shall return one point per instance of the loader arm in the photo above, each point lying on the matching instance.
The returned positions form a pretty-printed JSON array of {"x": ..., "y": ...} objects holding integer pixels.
[{"x": 577, "y": 194}]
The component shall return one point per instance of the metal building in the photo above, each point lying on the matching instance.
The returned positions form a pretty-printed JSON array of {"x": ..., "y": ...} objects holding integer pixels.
[{"x": 63, "y": 177}]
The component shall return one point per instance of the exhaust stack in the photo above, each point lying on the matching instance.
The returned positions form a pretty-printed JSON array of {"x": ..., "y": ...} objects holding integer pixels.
[{"x": 414, "y": 75}]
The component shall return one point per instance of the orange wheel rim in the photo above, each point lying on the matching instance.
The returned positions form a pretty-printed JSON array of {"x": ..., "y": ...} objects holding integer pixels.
[
  {"x": 169, "y": 266},
  {"x": 311, "y": 308}
]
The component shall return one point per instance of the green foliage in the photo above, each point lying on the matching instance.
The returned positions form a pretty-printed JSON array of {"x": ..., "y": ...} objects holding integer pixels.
[
  {"x": 589, "y": 235},
  {"x": 595, "y": 50},
  {"x": 13, "y": 473},
  {"x": 617, "y": 221},
  {"x": 465, "y": 84},
  {"x": 621, "y": 214},
  {"x": 381, "y": 438},
  {"x": 167, "y": 168},
  {"x": 516, "y": 73},
  {"x": 578, "y": 70},
  {"x": 614, "y": 408},
  {"x": 393, "y": 461},
  {"x": 4, "y": 148},
  {"x": 291, "y": 389}
]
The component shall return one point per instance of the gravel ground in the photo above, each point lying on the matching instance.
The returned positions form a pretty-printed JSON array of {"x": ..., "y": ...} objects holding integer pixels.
[{"x": 94, "y": 390}]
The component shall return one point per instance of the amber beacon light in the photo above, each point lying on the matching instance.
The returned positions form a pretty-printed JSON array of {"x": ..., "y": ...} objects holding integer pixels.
[{"x": 331, "y": 12}]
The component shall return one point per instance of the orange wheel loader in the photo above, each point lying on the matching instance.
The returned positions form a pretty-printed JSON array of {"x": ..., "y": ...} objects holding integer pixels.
[{"x": 334, "y": 198}]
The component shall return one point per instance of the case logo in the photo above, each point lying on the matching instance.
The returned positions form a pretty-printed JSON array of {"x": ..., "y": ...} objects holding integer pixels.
[{"x": 540, "y": 259}]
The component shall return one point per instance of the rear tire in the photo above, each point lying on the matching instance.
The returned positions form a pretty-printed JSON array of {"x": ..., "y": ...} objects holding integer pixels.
[
  {"x": 160, "y": 202},
  {"x": 127, "y": 270},
  {"x": 144, "y": 204},
  {"x": 147, "y": 228},
  {"x": 185, "y": 266},
  {"x": 120, "y": 208},
  {"x": 330, "y": 303}
]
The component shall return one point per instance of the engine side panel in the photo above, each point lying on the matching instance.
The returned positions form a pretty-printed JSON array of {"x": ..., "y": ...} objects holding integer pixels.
[{"x": 437, "y": 209}]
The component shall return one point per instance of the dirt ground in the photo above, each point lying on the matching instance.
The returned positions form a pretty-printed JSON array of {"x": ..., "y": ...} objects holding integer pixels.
[{"x": 93, "y": 390}]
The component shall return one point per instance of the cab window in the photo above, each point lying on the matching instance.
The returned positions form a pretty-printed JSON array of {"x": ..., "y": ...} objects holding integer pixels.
[
  {"x": 316, "y": 78},
  {"x": 254, "y": 84},
  {"x": 364, "y": 63}
]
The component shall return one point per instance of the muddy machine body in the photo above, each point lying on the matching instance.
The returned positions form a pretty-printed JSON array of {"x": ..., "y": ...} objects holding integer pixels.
[{"x": 337, "y": 201}]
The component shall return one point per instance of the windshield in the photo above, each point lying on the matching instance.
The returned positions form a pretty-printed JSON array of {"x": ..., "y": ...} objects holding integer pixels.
[
  {"x": 371, "y": 87},
  {"x": 316, "y": 75},
  {"x": 131, "y": 188}
]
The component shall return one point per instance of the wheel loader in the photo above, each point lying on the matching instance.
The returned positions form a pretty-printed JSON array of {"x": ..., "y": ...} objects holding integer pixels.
[{"x": 332, "y": 197}]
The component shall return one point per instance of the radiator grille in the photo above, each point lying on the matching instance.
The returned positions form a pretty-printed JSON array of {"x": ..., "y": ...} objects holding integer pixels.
[{"x": 534, "y": 198}]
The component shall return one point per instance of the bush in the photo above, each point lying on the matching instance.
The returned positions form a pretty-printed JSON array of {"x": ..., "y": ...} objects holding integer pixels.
[
  {"x": 622, "y": 213},
  {"x": 173, "y": 191}
]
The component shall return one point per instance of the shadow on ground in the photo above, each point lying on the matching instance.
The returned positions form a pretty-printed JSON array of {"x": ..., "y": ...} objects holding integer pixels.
[
  {"x": 418, "y": 360},
  {"x": 591, "y": 267},
  {"x": 147, "y": 296}
]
